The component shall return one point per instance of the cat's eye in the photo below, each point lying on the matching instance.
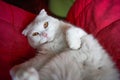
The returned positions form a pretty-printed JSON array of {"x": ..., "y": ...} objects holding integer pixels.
[
  {"x": 45, "y": 24},
  {"x": 35, "y": 34}
]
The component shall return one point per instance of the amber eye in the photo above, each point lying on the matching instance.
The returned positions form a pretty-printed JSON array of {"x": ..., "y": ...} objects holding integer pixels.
[
  {"x": 35, "y": 34},
  {"x": 45, "y": 24}
]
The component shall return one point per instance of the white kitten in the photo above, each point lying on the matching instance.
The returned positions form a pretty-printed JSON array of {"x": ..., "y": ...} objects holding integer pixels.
[{"x": 65, "y": 53}]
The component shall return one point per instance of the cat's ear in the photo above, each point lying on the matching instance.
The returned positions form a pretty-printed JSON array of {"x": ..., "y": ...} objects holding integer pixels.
[
  {"x": 43, "y": 12},
  {"x": 26, "y": 30}
]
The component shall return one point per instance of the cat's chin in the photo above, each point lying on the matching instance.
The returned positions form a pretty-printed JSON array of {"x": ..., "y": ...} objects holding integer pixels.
[
  {"x": 35, "y": 45},
  {"x": 42, "y": 41}
]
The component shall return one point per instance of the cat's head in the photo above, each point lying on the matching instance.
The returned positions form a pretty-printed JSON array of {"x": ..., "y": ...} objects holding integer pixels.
[{"x": 41, "y": 30}]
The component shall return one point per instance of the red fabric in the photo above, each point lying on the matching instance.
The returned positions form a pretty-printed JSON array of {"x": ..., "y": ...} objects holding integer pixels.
[
  {"x": 102, "y": 19},
  {"x": 14, "y": 47}
]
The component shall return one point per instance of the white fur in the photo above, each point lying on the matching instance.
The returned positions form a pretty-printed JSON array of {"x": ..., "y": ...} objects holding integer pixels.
[
  {"x": 74, "y": 41},
  {"x": 67, "y": 53},
  {"x": 29, "y": 74},
  {"x": 88, "y": 63}
]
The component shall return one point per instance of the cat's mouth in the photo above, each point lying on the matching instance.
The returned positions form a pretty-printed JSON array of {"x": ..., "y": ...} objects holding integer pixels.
[
  {"x": 48, "y": 40},
  {"x": 44, "y": 43},
  {"x": 44, "y": 40}
]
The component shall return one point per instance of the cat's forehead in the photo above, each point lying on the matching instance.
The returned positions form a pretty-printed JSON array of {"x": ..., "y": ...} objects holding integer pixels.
[
  {"x": 44, "y": 19},
  {"x": 38, "y": 23}
]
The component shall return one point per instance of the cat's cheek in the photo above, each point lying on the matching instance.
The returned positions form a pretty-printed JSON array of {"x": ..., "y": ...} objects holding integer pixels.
[
  {"x": 50, "y": 39},
  {"x": 34, "y": 42}
]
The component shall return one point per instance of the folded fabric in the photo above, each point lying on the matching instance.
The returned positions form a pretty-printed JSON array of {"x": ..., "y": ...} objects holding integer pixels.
[
  {"x": 14, "y": 47},
  {"x": 102, "y": 19}
]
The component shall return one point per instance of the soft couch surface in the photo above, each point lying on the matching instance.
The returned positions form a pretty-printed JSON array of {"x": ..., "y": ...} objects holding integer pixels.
[{"x": 14, "y": 47}]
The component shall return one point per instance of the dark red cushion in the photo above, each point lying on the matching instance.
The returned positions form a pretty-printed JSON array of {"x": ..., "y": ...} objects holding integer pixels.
[
  {"x": 102, "y": 19},
  {"x": 14, "y": 47}
]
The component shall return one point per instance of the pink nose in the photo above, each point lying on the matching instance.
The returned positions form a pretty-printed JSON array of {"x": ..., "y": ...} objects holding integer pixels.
[{"x": 44, "y": 34}]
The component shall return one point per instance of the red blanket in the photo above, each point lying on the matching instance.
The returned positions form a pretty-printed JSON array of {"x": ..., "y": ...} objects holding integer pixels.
[
  {"x": 102, "y": 19},
  {"x": 14, "y": 47}
]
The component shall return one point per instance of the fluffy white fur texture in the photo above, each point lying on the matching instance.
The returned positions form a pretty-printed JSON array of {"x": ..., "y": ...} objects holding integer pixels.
[{"x": 65, "y": 52}]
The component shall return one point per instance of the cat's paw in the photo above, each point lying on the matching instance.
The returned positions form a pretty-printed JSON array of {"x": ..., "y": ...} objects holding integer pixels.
[
  {"x": 73, "y": 46},
  {"x": 73, "y": 37},
  {"x": 21, "y": 74},
  {"x": 73, "y": 40}
]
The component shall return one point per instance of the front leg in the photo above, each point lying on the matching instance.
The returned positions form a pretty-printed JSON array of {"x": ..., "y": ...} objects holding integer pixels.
[
  {"x": 73, "y": 37},
  {"x": 25, "y": 74},
  {"x": 28, "y": 70}
]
